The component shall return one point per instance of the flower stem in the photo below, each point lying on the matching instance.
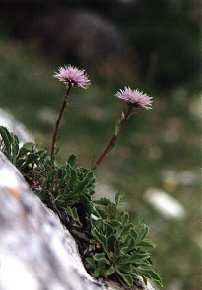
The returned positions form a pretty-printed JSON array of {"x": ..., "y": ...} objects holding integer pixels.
[
  {"x": 57, "y": 124},
  {"x": 123, "y": 118}
]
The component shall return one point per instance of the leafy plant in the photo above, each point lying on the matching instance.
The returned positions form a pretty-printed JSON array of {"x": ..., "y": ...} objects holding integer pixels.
[
  {"x": 65, "y": 188},
  {"x": 25, "y": 157},
  {"x": 9, "y": 145},
  {"x": 123, "y": 247},
  {"x": 110, "y": 244}
]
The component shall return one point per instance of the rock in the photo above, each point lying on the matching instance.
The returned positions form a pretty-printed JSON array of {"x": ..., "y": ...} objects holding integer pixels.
[
  {"x": 36, "y": 251},
  {"x": 81, "y": 33},
  {"x": 168, "y": 206},
  {"x": 8, "y": 121}
]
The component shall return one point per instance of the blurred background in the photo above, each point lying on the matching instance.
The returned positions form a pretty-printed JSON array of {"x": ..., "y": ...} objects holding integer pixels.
[{"x": 152, "y": 45}]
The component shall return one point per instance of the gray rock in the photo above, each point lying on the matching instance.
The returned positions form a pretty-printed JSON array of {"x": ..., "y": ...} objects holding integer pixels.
[
  {"x": 87, "y": 35},
  {"x": 8, "y": 121},
  {"x": 36, "y": 251}
]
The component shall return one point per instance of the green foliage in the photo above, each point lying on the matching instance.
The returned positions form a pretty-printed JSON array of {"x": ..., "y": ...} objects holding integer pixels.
[
  {"x": 67, "y": 188},
  {"x": 9, "y": 145},
  {"x": 110, "y": 244},
  {"x": 123, "y": 246},
  {"x": 24, "y": 157}
]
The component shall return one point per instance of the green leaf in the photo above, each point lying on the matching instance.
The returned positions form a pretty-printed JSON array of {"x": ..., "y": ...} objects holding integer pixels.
[
  {"x": 7, "y": 139},
  {"x": 103, "y": 201},
  {"x": 142, "y": 232},
  {"x": 72, "y": 160},
  {"x": 127, "y": 278},
  {"x": 118, "y": 199},
  {"x": 27, "y": 147},
  {"x": 147, "y": 244},
  {"x": 154, "y": 276},
  {"x": 90, "y": 261},
  {"x": 110, "y": 271},
  {"x": 99, "y": 257}
]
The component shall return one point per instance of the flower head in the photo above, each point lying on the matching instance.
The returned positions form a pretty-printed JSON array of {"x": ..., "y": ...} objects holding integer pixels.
[
  {"x": 72, "y": 75},
  {"x": 135, "y": 98}
]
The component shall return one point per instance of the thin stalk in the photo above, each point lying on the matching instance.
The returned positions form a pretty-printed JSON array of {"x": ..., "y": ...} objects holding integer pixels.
[
  {"x": 57, "y": 124},
  {"x": 123, "y": 118}
]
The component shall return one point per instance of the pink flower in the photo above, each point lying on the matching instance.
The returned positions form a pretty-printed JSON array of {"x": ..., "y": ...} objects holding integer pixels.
[
  {"x": 135, "y": 97},
  {"x": 72, "y": 75}
]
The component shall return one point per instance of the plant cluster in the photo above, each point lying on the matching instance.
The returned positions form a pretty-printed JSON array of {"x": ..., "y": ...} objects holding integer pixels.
[
  {"x": 122, "y": 246},
  {"x": 110, "y": 244}
]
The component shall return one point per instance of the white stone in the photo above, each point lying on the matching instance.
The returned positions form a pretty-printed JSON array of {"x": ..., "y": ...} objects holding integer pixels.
[{"x": 164, "y": 203}]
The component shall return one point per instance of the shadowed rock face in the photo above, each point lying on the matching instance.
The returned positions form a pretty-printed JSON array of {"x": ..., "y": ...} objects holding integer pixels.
[
  {"x": 36, "y": 251},
  {"x": 83, "y": 34}
]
